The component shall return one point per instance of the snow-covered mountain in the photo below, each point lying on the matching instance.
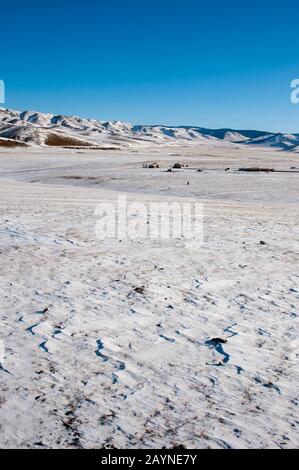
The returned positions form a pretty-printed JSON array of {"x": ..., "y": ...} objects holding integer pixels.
[{"x": 32, "y": 128}]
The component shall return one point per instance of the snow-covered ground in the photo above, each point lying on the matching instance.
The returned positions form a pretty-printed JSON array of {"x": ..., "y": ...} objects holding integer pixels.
[{"x": 108, "y": 343}]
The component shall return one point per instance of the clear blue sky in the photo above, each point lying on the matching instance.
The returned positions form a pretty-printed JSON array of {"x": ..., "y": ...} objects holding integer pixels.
[{"x": 214, "y": 64}]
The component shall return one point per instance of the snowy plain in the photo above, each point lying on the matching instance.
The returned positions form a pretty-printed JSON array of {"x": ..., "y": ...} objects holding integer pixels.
[{"x": 108, "y": 343}]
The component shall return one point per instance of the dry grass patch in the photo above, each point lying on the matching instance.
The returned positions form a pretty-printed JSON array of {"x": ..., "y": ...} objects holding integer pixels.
[
  {"x": 8, "y": 143},
  {"x": 55, "y": 140}
]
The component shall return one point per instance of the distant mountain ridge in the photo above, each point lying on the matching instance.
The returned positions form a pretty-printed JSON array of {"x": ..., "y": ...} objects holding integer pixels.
[{"x": 31, "y": 128}]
